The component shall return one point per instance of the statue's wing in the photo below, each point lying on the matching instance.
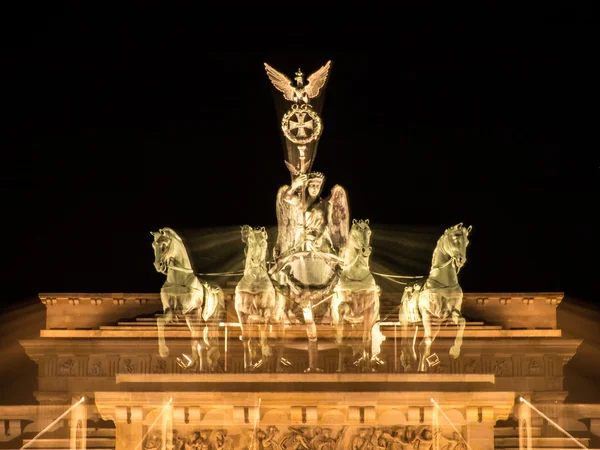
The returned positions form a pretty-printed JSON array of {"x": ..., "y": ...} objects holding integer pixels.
[
  {"x": 286, "y": 222},
  {"x": 317, "y": 80},
  {"x": 338, "y": 218},
  {"x": 281, "y": 82}
]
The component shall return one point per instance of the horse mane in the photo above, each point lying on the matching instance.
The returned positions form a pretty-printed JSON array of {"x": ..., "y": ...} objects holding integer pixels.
[
  {"x": 247, "y": 230},
  {"x": 169, "y": 232},
  {"x": 438, "y": 247},
  {"x": 447, "y": 231},
  {"x": 172, "y": 233}
]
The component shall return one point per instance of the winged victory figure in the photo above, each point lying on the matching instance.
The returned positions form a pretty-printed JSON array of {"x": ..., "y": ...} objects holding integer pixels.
[
  {"x": 306, "y": 222},
  {"x": 301, "y": 92}
]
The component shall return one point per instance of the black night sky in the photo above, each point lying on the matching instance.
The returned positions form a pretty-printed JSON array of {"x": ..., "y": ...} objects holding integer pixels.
[{"x": 120, "y": 122}]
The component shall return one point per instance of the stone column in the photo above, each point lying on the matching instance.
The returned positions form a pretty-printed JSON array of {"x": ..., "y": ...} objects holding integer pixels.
[
  {"x": 78, "y": 436},
  {"x": 52, "y": 405},
  {"x": 128, "y": 423},
  {"x": 524, "y": 416},
  {"x": 167, "y": 428},
  {"x": 552, "y": 410},
  {"x": 480, "y": 427}
]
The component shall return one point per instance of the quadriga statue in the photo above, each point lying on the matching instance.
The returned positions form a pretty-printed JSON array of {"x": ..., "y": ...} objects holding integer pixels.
[
  {"x": 312, "y": 233},
  {"x": 185, "y": 296},
  {"x": 435, "y": 299},
  {"x": 355, "y": 308},
  {"x": 260, "y": 308}
]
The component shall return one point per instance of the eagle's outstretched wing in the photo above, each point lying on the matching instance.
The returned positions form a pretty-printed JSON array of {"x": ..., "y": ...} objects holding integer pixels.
[
  {"x": 317, "y": 80},
  {"x": 338, "y": 218},
  {"x": 281, "y": 82}
]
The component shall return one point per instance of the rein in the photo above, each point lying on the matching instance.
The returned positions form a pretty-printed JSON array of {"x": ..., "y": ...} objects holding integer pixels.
[
  {"x": 225, "y": 274},
  {"x": 391, "y": 277},
  {"x": 446, "y": 264}
]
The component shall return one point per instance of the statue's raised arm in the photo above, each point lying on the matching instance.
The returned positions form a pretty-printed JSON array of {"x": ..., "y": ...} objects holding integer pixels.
[{"x": 303, "y": 217}]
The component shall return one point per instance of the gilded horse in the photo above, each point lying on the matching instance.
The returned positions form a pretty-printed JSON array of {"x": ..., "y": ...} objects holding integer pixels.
[
  {"x": 355, "y": 307},
  {"x": 184, "y": 295},
  {"x": 436, "y": 299},
  {"x": 260, "y": 309}
]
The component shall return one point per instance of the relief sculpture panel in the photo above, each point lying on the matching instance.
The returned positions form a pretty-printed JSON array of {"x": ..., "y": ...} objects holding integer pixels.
[{"x": 271, "y": 437}]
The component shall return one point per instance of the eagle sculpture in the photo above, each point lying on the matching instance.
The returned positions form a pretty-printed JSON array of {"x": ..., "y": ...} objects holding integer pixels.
[{"x": 301, "y": 92}]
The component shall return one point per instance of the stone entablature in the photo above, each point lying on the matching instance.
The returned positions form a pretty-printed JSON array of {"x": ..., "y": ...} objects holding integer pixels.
[
  {"x": 354, "y": 408},
  {"x": 121, "y": 338},
  {"x": 86, "y": 365},
  {"x": 240, "y": 413},
  {"x": 103, "y": 345},
  {"x": 534, "y": 310},
  {"x": 88, "y": 311}
]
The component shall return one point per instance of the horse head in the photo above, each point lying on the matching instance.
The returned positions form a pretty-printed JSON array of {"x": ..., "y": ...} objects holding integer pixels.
[
  {"x": 165, "y": 248},
  {"x": 454, "y": 243},
  {"x": 256, "y": 246},
  {"x": 360, "y": 237}
]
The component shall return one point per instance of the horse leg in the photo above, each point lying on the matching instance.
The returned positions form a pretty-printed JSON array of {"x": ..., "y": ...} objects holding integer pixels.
[
  {"x": 375, "y": 336},
  {"x": 367, "y": 338},
  {"x": 192, "y": 319},
  {"x": 338, "y": 315},
  {"x": 313, "y": 355},
  {"x": 241, "y": 303},
  {"x": 278, "y": 319},
  {"x": 210, "y": 341},
  {"x": 459, "y": 320},
  {"x": 407, "y": 355},
  {"x": 342, "y": 347},
  {"x": 429, "y": 334},
  {"x": 244, "y": 343},
  {"x": 313, "y": 345},
  {"x": 213, "y": 352},
  {"x": 247, "y": 342},
  {"x": 425, "y": 345},
  {"x": 266, "y": 354},
  {"x": 248, "y": 346},
  {"x": 161, "y": 321},
  {"x": 282, "y": 363}
]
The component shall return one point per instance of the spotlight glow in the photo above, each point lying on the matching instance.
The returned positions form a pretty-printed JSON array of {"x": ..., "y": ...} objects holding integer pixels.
[
  {"x": 53, "y": 423},
  {"x": 550, "y": 421},
  {"x": 154, "y": 423},
  {"x": 256, "y": 418},
  {"x": 450, "y": 422}
]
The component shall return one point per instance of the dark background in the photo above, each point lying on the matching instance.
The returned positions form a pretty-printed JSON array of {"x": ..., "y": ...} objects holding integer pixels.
[{"x": 122, "y": 121}]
